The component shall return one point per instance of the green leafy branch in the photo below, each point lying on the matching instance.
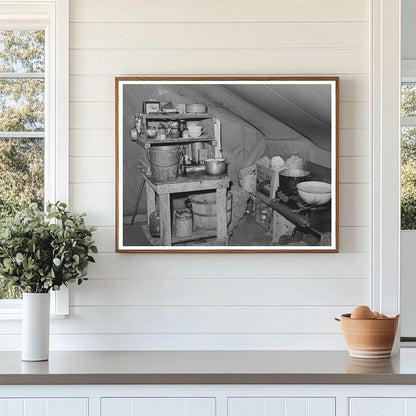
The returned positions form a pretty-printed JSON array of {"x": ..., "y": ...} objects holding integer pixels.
[{"x": 43, "y": 251}]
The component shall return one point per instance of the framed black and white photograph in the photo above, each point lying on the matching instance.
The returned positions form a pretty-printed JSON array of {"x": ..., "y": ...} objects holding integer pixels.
[{"x": 230, "y": 164}]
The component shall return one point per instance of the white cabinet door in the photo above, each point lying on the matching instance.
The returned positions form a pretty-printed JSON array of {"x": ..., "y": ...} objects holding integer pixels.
[
  {"x": 160, "y": 406},
  {"x": 382, "y": 406},
  {"x": 254, "y": 406},
  {"x": 44, "y": 407}
]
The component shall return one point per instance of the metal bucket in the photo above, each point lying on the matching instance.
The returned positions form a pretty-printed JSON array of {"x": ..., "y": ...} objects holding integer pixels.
[{"x": 164, "y": 162}]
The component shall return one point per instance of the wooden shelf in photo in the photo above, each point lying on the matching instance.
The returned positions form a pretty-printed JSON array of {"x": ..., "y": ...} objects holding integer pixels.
[
  {"x": 198, "y": 234},
  {"x": 146, "y": 143},
  {"x": 176, "y": 116}
]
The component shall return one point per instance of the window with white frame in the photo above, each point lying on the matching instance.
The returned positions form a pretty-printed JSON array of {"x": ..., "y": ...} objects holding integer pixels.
[
  {"x": 408, "y": 149},
  {"x": 22, "y": 125},
  {"x": 33, "y": 113}
]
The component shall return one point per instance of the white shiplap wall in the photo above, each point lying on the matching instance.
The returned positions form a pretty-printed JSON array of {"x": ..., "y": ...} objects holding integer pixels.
[{"x": 173, "y": 301}]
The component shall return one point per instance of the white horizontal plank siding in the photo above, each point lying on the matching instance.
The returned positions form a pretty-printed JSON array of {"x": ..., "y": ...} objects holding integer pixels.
[
  {"x": 183, "y": 301},
  {"x": 92, "y": 116},
  {"x": 110, "y": 265},
  {"x": 354, "y": 199},
  {"x": 218, "y": 11},
  {"x": 175, "y": 341},
  {"x": 353, "y": 115},
  {"x": 354, "y": 142},
  {"x": 218, "y": 35},
  {"x": 354, "y": 239},
  {"x": 94, "y": 143},
  {"x": 220, "y": 291},
  {"x": 105, "y": 239},
  {"x": 96, "y": 199},
  {"x": 88, "y": 169},
  {"x": 254, "y": 61},
  {"x": 99, "y": 88},
  {"x": 354, "y": 170},
  {"x": 211, "y": 320}
]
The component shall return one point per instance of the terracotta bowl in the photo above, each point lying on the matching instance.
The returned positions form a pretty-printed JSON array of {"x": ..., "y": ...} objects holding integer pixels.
[{"x": 369, "y": 338}]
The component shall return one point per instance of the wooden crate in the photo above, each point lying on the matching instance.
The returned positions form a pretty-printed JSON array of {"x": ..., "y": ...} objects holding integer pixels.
[{"x": 267, "y": 183}]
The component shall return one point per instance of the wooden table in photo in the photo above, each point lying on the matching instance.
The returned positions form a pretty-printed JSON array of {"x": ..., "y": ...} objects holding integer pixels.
[{"x": 193, "y": 182}]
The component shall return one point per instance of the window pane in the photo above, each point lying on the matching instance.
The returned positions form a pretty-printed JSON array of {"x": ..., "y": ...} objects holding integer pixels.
[
  {"x": 21, "y": 182},
  {"x": 21, "y": 173},
  {"x": 22, "y": 51},
  {"x": 22, "y": 104},
  {"x": 408, "y": 178}
]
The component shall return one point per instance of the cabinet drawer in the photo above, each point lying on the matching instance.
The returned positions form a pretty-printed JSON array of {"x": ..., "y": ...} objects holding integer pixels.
[
  {"x": 160, "y": 406},
  {"x": 281, "y": 406},
  {"x": 44, "y": 407},
  {"x": 376, "y": 406}
]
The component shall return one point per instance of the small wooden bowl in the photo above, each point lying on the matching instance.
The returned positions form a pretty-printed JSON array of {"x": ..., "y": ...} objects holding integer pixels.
[{"x": 369, "y": 338}]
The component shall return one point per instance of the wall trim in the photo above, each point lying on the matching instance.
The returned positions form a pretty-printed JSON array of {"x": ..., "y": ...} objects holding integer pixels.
[{"x": 385, "y": 99}]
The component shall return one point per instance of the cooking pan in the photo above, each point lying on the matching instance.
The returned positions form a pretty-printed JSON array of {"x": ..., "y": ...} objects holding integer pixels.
[
  {"x": 289, "y": 178},
  {"x": 215, "y": 166}
]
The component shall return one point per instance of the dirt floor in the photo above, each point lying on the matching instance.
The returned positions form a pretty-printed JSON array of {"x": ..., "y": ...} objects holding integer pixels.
[{"x": 247, "y": 233}]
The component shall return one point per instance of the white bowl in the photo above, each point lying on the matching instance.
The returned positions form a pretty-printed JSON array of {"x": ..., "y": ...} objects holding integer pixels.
[{"x": 314, "y": 192}]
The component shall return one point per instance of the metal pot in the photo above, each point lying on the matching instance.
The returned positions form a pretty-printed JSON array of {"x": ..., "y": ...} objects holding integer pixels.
[
  {"x": 215, "y": 166},
  {"x": 289, "y": 178}
]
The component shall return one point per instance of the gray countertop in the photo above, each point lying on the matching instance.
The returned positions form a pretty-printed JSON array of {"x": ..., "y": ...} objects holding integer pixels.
[{"x": 207, "y": 367}]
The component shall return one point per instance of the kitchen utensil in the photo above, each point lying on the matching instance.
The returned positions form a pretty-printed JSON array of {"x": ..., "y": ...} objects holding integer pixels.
[
  {"x": 369, "y": 338},
  {"x": 194, "y": 169},
  {"x": 289, "y": 178},
  {"x": 174, "y": 133},
  {"x": 194, "y": 131},
  {"x": 196, "y": 108},
  {"x": 314, "y": 192},
  {"x": 151, "y": 133},
  {"x": 215, "y": 166},
  {"x": 195, "y": 147}
]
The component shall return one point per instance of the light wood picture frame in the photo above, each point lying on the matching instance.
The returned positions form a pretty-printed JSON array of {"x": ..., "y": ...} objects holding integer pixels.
[{"x": 276, "y": 137}]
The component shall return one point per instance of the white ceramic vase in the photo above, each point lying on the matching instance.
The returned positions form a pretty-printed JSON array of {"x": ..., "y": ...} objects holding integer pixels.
[{"x": 35, "y": 326}]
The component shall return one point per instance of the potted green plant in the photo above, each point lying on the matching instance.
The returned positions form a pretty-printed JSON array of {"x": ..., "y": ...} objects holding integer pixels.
[{"x": 40, "y": 252}]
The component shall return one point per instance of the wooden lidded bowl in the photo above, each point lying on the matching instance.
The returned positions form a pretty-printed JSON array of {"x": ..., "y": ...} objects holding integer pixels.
[{"x": 369, "y": 338}]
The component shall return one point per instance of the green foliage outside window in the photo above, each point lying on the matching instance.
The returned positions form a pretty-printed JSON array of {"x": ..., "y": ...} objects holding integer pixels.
[{"x": 408, "y": 160}]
